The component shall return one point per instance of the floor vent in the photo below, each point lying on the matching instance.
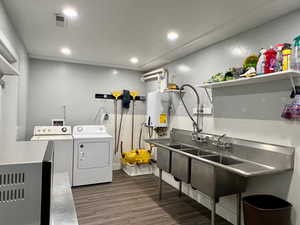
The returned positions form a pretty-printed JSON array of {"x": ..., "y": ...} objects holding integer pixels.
[{"x": 7, "y": 179}]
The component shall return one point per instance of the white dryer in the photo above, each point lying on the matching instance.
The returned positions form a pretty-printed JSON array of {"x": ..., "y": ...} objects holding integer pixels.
[{"x": 92, "y": 155}]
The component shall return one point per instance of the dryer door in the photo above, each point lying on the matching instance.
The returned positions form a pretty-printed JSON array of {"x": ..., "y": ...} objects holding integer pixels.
[{"x": 93, "y": 155}]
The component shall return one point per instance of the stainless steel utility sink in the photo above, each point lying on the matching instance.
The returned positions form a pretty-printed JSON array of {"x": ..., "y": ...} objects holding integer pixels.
[{"x": 223, "y": 160}]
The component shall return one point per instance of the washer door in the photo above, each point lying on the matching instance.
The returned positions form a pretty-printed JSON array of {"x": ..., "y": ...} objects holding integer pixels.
[{"x": 93, "y": 155}]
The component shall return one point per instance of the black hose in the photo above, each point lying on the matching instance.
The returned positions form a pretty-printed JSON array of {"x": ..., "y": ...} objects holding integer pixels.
[
  {"x": 121, "y": 147},
  {"x": 120, "y": 127},
  {"x": 140, "y": 136}
]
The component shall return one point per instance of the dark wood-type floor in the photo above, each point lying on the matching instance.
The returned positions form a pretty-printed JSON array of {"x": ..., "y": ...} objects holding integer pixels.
[{"x": 134, "y": 201}]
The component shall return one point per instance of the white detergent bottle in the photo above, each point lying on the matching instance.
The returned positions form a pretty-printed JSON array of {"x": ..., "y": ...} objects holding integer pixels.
[{"x": 261, "y": 62}]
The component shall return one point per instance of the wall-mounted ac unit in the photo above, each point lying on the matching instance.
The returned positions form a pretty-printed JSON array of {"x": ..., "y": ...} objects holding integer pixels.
[
  {"x": 7, "y": 57},
  {"x": 7, "y": 50}
]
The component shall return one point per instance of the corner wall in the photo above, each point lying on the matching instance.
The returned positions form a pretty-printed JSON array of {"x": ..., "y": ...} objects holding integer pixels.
[{"x": 56, "y": 84}]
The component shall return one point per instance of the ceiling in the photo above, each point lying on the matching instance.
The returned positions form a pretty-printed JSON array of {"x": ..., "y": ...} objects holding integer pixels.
[{"x": 110, "y": 32}]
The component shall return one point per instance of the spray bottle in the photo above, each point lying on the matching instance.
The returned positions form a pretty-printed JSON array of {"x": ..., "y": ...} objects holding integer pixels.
[
  {"x": 261, "y": 62},
  {"x": 296, "y": 54}
]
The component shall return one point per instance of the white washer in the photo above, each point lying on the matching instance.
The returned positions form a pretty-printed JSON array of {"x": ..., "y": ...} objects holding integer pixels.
[
  {"x": 63, "y": 146},
  {"x": 92, "y": 155}
]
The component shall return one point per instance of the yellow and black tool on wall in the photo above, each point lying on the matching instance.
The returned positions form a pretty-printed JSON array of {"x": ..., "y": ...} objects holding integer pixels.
[
  {"x": 133, "y": 94},
  {"x": 116, "y": 95}
]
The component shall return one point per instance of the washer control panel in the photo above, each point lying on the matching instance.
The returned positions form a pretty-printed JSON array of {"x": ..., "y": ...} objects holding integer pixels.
[{"x": 52, "y": 130}]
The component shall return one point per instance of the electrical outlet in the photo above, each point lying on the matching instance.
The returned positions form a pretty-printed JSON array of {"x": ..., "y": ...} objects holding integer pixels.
[{"x": 207, "y": 110}]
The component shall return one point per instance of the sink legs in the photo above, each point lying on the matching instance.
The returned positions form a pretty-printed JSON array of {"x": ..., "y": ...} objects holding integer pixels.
[
  {"x": 160, "y": 184},
  {"x": 213, "y": 201},
  {"x": 238, "y": 208},
  {"x": 213, "y": 211}
]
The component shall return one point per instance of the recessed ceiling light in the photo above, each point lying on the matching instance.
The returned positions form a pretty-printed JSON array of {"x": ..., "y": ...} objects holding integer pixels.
[
  {"x": 115, "y": 72},
  {"x": 134, "y": 60},
  {"x": 66, "y": 51},
  {"x": 172, "y": 36},
  {"x": 184, "y": 68},
  {"x": 70, "y": 12}
]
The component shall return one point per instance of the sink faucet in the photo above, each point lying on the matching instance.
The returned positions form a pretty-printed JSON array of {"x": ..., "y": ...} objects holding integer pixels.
[
  {"x": 220, "y": 143},
  {"x": 199, "y": 137},
  {"x": 223, "y": 144}
]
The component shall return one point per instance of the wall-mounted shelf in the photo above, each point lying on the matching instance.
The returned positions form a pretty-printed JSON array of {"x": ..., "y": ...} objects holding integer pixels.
[
  {"x": 253, "y": 80},
  {"x": 6, "y": 69},
  {"x": 286, "y": 75}
]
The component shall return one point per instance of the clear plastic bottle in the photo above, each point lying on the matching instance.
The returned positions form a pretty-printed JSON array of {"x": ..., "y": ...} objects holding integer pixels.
[
  {"x": 296, "y": 55},
  {"x": 260, "y": 67},
  {"x": 279, "y": 48}
]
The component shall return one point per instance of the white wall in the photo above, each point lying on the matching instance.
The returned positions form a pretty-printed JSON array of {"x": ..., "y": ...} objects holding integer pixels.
[
  {"x": 13, "y": 101},
  {"x": 54, "y": 84},
  {"x": 250, "y": 112}
]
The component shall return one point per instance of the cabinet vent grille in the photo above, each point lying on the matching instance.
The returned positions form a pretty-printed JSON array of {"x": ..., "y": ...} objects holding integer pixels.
[
  {"x": 12, "y": 195},
  {"x": 7, "y": 179}
]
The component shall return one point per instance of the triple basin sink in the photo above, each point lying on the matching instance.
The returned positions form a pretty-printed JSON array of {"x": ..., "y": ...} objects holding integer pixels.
[
  {"x": 183, "y": 164},
  {"x": 219, "y": 172}
]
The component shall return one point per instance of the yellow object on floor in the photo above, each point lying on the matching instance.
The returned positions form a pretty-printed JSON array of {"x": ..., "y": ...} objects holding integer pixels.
[
  {"x": 143, "y": 156},
  {"x": 138, "y": 156}
]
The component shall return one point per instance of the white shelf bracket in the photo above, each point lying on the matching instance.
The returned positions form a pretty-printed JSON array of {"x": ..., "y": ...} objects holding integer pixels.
[
  {"x": 2, "y": 82},
  {"x": 209, "y": 96},
  {"x": 293, "y": 83}
]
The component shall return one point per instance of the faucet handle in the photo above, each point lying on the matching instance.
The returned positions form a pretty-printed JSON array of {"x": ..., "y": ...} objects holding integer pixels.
[{"x": 228, "y": 145}]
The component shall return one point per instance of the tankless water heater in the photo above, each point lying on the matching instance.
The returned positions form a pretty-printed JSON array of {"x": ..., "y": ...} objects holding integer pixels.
[{"x": 157, "y": 109}]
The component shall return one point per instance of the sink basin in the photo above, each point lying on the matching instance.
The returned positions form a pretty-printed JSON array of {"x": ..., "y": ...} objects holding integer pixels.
[
  {"x": 214, "y": 181},
  {"x": 196, "y": 152},
  {"x": 223, "y": 160},
  {"x": 177, "y": 146}
]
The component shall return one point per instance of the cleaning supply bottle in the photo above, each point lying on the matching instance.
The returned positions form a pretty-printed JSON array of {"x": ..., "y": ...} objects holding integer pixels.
[
  {"x": 286, "y": 57},
  {"x": 270, "y": 62},
  {"x": 260, "y": 67},
  {"x": 279, "y": 48},
  {"x": 292, "y": 111},
  {"x": 296, "y": 55}
]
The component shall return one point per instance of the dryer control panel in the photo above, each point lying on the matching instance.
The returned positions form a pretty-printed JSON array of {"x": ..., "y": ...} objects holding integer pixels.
[
  {"x": 52, "y": 130},
  {"x": 89, "y": 130}
]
